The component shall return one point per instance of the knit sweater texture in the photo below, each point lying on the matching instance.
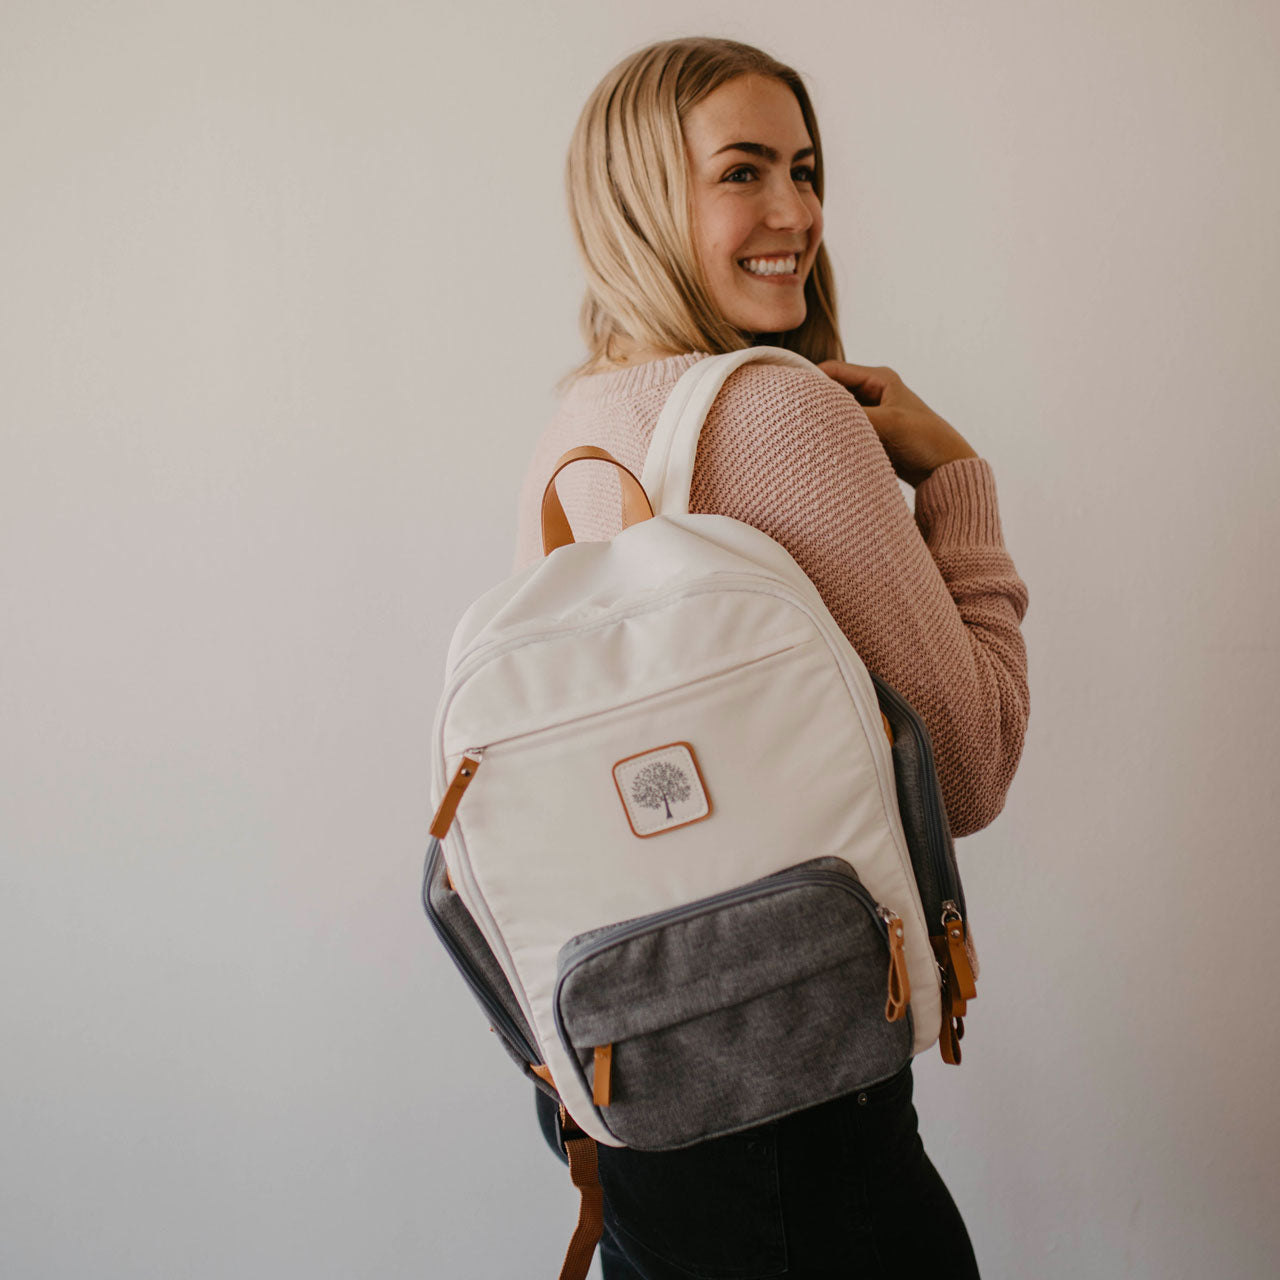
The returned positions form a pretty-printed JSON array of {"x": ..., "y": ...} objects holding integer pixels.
[{"x": 930, "y": 601}]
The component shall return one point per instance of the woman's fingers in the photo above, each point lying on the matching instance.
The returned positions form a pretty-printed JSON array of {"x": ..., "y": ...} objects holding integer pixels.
[
  {"x": 869, "y": 384},
  {"x": 916, "y": 439}
]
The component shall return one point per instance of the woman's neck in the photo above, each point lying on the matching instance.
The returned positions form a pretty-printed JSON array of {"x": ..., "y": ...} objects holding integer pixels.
[{"x": 624, "y": 353}]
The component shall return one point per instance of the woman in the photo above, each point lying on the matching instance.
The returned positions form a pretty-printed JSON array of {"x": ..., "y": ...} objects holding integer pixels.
[{"x": 695, "y": 186}]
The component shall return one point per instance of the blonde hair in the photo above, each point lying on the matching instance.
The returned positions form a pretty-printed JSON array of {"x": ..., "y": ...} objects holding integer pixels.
[{"x": 626, "y": 178}]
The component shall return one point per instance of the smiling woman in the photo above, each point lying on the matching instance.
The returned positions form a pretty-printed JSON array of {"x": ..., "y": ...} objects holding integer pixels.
[
  {"x": 695, "y": 187},
  {"x": 757, "y": 225},
  {"x": 689, "y": 160}
]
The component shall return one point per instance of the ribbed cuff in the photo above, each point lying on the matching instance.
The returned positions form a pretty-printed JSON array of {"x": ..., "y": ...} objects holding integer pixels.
[{"x": 956, "y": 505}]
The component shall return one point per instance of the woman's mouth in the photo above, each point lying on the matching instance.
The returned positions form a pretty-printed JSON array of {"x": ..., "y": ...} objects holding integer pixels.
[{"x": 779, "y": 267}]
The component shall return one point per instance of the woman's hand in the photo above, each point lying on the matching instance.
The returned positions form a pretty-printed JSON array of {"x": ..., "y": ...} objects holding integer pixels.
[{"x": 916, "y": 439}]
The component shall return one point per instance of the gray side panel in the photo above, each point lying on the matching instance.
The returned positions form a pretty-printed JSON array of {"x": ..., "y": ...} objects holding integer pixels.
[
  {"x": 924, "y": 816},
  {"x": 477, "y": 964}
]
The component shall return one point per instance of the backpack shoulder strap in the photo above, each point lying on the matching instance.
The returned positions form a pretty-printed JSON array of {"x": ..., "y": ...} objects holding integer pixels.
[{"x": 668, "y": 467}]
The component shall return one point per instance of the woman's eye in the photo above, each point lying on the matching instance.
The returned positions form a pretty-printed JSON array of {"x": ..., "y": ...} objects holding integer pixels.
[{"x": 801, "y": 173}]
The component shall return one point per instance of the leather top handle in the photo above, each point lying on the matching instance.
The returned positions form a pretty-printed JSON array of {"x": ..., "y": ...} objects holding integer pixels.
[{"x": 556, "y": 532}]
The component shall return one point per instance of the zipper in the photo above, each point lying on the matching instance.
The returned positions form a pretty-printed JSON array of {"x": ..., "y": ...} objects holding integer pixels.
[
  {"x": 467, "y": 770},
  {"x": 945, "y": 873},
  {"x": 474, "y": 978},
  {"x": 954, "y": 928},
  {"x": 899, "y": 983},
  {"x": 777, "y": 883},
  {"x": 751, "y": 583},
  {"x": 496, "y": 648},
  {"x": 955, "y": 972},
  {"x": 642, "y": 600},
  {"x": 472, "y": 756}
]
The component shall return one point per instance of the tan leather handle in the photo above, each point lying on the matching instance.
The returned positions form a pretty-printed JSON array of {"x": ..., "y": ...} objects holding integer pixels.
[{"x": 555, "y": 524}]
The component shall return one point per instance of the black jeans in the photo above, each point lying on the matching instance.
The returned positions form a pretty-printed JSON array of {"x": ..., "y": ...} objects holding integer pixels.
[{"x": 843, "y": 1189}]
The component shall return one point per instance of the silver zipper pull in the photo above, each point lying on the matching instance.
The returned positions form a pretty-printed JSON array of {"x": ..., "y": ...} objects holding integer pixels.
[{"x": 957, "y": 954}]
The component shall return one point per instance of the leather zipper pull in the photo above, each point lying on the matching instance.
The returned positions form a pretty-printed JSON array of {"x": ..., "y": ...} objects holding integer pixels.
[
  {"x": 952, "y": 1025},
  {"x": 443, "y": 820},
  {"x": 899, "y": 983},
  {"x": 602, "y": 1079},
  {"x": 958, "y": 955}
]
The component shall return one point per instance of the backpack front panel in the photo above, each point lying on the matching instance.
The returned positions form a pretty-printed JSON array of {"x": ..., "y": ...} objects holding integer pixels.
[{"x": 544, "y": 847}]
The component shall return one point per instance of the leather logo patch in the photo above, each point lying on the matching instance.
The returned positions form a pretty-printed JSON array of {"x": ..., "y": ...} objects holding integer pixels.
[{"x": 662, "y": 789}]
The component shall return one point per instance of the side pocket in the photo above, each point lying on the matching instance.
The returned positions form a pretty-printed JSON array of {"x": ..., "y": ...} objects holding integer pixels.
[
  {"x": 924, "y": 818},
  {"x": 476, "y": 962},
  {"x": 733, "y": 1010}
]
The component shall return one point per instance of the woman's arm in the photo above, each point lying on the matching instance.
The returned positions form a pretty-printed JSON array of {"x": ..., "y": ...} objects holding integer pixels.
[{"x": 932, "y": 603}]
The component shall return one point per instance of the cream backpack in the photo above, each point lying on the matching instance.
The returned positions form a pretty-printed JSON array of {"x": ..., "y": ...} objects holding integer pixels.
[{"x": 687, "y": 851}]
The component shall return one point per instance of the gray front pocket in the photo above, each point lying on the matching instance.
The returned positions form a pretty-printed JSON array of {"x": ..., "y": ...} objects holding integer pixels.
[{"x": 733, "y": 1010}]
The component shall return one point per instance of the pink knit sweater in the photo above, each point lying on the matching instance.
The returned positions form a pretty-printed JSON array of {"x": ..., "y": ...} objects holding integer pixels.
[{"x": 932, "y": 603}]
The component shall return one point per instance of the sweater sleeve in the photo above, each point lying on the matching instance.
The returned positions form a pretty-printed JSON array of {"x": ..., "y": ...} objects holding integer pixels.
[{"x": 931, "y": 602}]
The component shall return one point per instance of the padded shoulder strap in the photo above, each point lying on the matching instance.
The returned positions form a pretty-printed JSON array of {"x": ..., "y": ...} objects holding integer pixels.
[{"x": 668, "y": 467}]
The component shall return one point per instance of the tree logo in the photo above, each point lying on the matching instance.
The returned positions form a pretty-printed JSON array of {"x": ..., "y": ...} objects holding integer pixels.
[
  {"x": 661, "y": 789},
  {"x": 660, "y": 783}
]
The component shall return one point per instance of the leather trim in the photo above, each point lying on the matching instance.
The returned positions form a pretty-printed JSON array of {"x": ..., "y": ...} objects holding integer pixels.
[{"x": 556, "y": 532}]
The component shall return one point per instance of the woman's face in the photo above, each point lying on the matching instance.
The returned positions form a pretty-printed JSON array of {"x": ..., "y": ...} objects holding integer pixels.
[{"x": 754, "y": 206}]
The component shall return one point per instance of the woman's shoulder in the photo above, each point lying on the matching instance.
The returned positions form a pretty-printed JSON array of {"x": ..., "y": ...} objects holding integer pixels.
[
  {"x": 758, "y": 399},
  {"x": 782, "y": 374},
  {"x": 787, "y": 448},
  {"x": 787, "y": 398}
]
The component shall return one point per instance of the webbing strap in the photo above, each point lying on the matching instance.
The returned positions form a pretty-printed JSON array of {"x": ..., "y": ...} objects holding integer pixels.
[
  {"x": 668, "y": 466},
  {"x": 584, "y": 1170}
]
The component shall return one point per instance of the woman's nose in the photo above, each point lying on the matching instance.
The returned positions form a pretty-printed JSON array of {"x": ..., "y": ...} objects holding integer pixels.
[{"x": 787, "y": 210}]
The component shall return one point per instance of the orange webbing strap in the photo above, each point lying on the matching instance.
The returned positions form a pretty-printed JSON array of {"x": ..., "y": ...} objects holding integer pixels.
[{"x": 584, "y": 1170}]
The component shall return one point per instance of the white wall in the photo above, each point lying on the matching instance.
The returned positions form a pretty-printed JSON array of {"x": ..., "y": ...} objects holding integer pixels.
[{"x": 285, "y": 288}]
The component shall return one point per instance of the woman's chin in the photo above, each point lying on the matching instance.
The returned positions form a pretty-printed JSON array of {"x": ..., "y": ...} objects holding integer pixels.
[{"x": 759, "y": 325}]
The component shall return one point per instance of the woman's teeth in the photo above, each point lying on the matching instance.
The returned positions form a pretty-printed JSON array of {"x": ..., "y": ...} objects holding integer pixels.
[{"x": 770, "y": 266}]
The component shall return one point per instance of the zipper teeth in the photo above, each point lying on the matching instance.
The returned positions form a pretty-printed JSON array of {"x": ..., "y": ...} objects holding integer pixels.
[
  {"x": 946, "y": 877},
  {"x": 476, "y": 752},
  {"x": 494, "y": 649},
  {"x": 673, "y": 915},
  {"x": 474, "y": 978},
  {"x": 779, "y": 883}
]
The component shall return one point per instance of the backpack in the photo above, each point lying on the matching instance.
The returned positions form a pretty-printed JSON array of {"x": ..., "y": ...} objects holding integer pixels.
[{"x": 687, "y": 852}]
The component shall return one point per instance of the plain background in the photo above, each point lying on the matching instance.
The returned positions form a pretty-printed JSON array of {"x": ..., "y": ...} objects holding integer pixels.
[{"x": 285, "y": 287}]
